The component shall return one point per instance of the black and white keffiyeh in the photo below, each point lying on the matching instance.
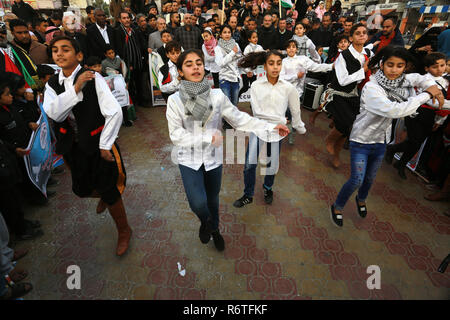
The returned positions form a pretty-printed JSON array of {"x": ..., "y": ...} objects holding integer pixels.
[
  {"x": 196, "y": 100},
  {"x": 227, "y": 45},
  {"x": 395, "y": 89}
]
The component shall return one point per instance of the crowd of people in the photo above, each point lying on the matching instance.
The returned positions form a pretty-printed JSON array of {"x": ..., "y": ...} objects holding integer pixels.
[{"x": 373, "y": 85}]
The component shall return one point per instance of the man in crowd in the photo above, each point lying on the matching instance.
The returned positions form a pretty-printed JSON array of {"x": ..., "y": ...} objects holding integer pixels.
[
  {"x": 69, "y": 25},
  {"x": 24, "y": 11},
  {"x": 27, "y": 48},
  {"x": 90, "y": 16},
  {"x": 235, "y": 34},
  {"x": 390, "y": 35},
  {"x": 100, "y": 34},
  {"x": 215, "y": 10},
  {"x": 198, "y": 14},
  {"x": 174, "y": 22},
  {"x": 267, "y": 35},
  {"x": 188, "y": 36},
  {"x": 245, "y": 11},
  {"x": 154, "y": 40},
  {"x": 283, "y": 34},
  {"x": 251, "y": 26},
  {"x": 323, "y": 36},
  {"x": 256, "y": 15},
  {"x": 151, "y": 24},
  {"x": 40, "y": 25},
  {"x": 347, "y": 26}
]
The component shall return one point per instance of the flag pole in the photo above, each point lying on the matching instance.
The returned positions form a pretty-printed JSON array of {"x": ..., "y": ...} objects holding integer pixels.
[
  {"x": 223, "y": 12},
  {"x": 279, "y": 4}
]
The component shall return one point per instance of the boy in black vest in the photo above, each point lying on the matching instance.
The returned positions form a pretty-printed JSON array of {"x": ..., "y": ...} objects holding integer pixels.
[{"x": 88, "y": 119}]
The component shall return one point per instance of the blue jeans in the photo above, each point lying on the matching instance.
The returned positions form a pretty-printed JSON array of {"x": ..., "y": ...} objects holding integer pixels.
[
  {"x": 251, "y": 162},
  {"x": 202, "y": 190},
  {"x": 365, "y": 161},
  {"x": 231, "y": 90}
]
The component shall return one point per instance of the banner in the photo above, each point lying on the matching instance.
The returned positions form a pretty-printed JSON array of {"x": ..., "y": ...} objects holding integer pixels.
[
  {"x": 154, "y": 63},
  {"x": 119, "y": 89},
  {"x": 39, "y": 161}
]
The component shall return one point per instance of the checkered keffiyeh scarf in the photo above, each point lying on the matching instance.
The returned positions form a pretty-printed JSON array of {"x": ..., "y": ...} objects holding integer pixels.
[
  {"x": 227, "y": 45},
  {"x": 395, "y": 89},
  {"x": 196, "y": 100}
]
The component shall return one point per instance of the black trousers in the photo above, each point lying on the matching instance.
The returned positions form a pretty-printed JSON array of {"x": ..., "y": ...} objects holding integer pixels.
[
  {"x": 246, "y": 82},
  {"x": 11, "y": 209},
  {"x": 418, "y": 129}
]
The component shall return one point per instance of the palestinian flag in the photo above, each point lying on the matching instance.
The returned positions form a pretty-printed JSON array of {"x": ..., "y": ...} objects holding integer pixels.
[{"x": 287, "y": 3}]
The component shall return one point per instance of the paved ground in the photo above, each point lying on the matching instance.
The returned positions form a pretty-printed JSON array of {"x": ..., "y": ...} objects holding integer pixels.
[{"x": 289, "y": 250}]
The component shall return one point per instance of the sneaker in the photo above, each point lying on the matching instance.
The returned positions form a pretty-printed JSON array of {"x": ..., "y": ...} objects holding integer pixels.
[
  {"x": 127, "y": 123},
  {"x": 219, "y": 243},
  {"x": 204, "y": 233},
  {"x": 336, "y": 218},
  {"x": 268, "y": 195},
  {"x": 362, "y": 210},
  {"x": 239, "y": 203}
]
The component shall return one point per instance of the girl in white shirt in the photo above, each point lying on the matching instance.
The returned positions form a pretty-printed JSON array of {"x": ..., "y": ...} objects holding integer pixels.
[
  {"x": 388, "y": 95},
  {"x": 194, "y": 116},
  {"x": 304, "y": 44},
  {"x": 208, "y": 46},
  {"x": 249, "y": 75},
  {"x": 227, "y": 57},
  {"x": 270, "y": 97},
  {"x": 294, "y": 69}
]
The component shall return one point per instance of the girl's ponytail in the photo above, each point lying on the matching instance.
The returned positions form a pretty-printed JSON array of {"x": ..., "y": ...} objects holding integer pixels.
[{"x": 254, "y": 59}]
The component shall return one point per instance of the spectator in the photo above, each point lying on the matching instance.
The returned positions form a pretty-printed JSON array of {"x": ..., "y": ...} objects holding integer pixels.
[
  {"x": 348, "y": 24},
  {"x": 283, "y": 34},
  {"x": 215, "y": 10},
  {"x": 336, "y": 10},
  {"x": 40, "y": 25},
  {"x": 235, "y": 34},
  {"x": 154, "y": 40},
  {"x": 174, "y": 22},
  {"x": 70, "y": 30},
  {"x": 90, "y": 16},
  {"x": 36, "y": 51},
  {"x": 256, "y": 15},
  {"x": 100, "y": 34},
  {"x": 323, "y": 36},
  {"x": 52, "y": 32},
  {"x": 310, "y": 13},
  {"x": 444, "y": 42},
  {"x": 251, "y": 26},
  {"x": 320, "y": 10},
  {"x": 166, "y": 37},
  {"x": 267, "y": 35},
  {"x": 56, "y": 19},
  {"x": 153, "y": 9},
  {"x": 390, "y": 35},
  {"x": 188, "y": 36},
  {"x": 24, "y": 11},
  {"x": 112, "y": 64},
  {"x": 245, "y": 11},
  {"x": 151, "y": 24},
  {"x": 198, "y": 14}
]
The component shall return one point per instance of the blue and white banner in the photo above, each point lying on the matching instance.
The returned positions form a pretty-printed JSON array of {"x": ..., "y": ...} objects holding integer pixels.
[{"x": 39, "y": 161}]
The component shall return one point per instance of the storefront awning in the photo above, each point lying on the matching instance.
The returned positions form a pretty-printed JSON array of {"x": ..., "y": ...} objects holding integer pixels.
[{"x": 434, "y": 9}]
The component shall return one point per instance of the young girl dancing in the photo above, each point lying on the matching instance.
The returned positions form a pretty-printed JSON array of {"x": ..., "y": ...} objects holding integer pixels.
[
  {"x": 388, "y": 95},
  {"x": 270, "y": 97},
  {"x": 194, "y": 115}
]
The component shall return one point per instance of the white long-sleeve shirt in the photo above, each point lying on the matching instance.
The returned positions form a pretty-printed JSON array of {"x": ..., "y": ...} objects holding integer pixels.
[
  {"x": 442, "y": 84},
  {"x": 249, "y": 49},
  {"x": 291, "y": 66},
  {"x": 58, "y": 107},
  {"x": 210, "y": 61},
  {"x": 374, "y": 121},
  {"x": 174, "y": 83},
  {"x": 270, "y": 102},
  {"x": 341, "y": 67},
  {"x": 193, "y": 142},
  {"x": 311, "y": 49},
  {"x": 228, "y": 64}
]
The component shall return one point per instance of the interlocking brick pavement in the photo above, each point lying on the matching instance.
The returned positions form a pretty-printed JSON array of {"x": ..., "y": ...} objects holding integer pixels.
[{"x": 288, "y": 250}]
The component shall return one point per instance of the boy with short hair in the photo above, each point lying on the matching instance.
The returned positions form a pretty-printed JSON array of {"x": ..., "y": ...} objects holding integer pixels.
[
  {"x": 168, "y": 73},
  {"x": 166, "y": 37},
  {"x": 112, "y": 64},
  {"x": 94, "y": 63},
  {"x": 88, "y": 120}
]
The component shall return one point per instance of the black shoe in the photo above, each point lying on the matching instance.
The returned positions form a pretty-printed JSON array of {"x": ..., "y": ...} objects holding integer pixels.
[
  {"x": 30, "y": 234},
  {"x": 204, "y": 233},
  {"x": 268, "y": 195},
  {"x": 52, "y": 182},
  {"x": 401, "y": 170},
  {"x": 239, "y": 203},
  {"x": 127, "y": 123},
  {"x": 336, "y": 218},
  {"x": 389, "y": 156},
  {"x": 219, "y": 243},
  {"x": 33, "y": 223},
  {"x": 362, "y": 210}
]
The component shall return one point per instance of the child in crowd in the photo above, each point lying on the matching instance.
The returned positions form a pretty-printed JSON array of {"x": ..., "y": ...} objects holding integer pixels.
[
  {"x": 294, "y": 69},
  {"x": 166, "y": 37},
  {"x": 88, "y": 119},
  {"x": 342, "y": 44},
  {"x": 304, "y": 44},
  {"x": 168, "y": 73},
  {"x": 209, "y": 44},
  {"x": 194, "y": 116},
  {"x": 44, "y": 73},
  {"x": 420, "y": 126},
  {"x": 388, "y": 95},
  {"x": 270, "y": 97},
  {"x": 249, "y": 75},
  {"x": 112, "y": 64},
  {"x": 94, "y": 63}
]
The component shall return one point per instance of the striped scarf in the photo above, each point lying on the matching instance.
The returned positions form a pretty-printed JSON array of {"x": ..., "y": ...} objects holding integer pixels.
[
  {"x": 395, "y": 89},
  {"x": 133, "y": 55},
  {"x": 227, "y": 45}
]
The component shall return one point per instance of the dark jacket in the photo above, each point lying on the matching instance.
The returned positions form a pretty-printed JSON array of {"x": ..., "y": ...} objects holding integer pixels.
[
  {"x": 10, "y": 173},
  {"x": 95, "y": 41},
  {"x": 24, "y": 11},
  {"x": 14, "y": 130},
  {"x": 283, "y": 38},
  {"x": 268, "y": 37},
  {"x": 321, "y": 37}
]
